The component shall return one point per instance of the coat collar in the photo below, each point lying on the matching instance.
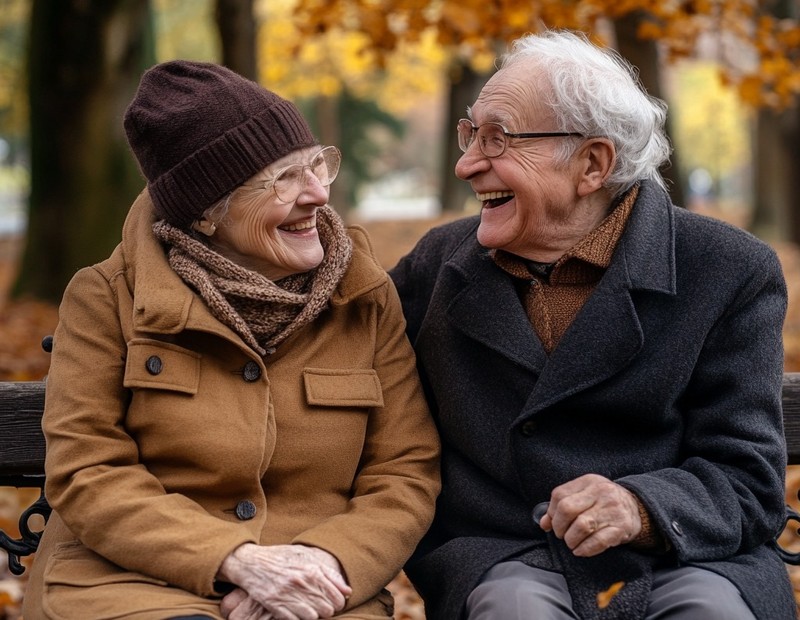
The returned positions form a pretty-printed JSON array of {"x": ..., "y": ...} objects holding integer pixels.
[
  {"x": 163, "y": 303},
  {"x": 605, "y": 335}
]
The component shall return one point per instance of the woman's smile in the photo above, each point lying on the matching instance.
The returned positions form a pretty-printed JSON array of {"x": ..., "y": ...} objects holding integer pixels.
[{"x": 299, "y": 226}]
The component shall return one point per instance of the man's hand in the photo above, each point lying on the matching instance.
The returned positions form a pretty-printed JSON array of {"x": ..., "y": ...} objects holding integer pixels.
[
  {"x": 592, "y": 514},
  {"x": 290, "y": 582}
]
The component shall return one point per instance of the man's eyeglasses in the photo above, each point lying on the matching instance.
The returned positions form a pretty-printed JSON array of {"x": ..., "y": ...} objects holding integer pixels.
[
  {"x": 289, "y": 182},
  {"x": 493, "y": 137}
]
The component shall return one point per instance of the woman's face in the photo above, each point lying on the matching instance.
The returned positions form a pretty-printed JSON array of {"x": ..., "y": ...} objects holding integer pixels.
[{"x": 263, "y": 233}]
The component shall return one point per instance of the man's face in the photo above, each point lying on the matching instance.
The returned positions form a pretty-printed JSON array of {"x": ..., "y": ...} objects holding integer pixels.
[{"x": 529, "y": 200}]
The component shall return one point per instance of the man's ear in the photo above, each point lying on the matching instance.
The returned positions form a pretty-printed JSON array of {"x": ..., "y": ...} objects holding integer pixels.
[
  {"x": 204, "y": 227},
  {"x": 597, "y": 157}
]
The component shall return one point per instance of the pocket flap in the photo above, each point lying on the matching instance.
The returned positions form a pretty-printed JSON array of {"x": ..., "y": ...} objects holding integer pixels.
[
  {"x": 162, "y": 366},
  {"x": 343, "y": 388}
]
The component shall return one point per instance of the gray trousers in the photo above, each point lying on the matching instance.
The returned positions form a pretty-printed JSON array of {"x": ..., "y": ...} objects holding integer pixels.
[{"x": 514, "y": 591}]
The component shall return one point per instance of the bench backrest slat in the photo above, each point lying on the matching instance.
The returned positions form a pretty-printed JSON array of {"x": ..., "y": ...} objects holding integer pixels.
[
  {"x": 791, "y": 415},
  {"x": 21, "y": 439}
]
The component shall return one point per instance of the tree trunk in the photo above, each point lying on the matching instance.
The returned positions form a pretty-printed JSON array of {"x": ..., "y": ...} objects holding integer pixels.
[
  {"x": 465, "y": 86},
  {"x": 776, "y": 165},
  {"x": 644, "y": 56},
  {"x": 237, "y": 31},
  {"x": 328, "y": 121},
  {"x": 85, "y": 60}
]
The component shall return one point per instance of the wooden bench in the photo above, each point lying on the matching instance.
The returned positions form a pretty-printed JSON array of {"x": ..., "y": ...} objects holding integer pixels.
[{"x": 22, "y": 449}]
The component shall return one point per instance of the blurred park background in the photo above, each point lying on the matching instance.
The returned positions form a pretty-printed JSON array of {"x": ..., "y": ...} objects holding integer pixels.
[{"x": 385, "y": 80}]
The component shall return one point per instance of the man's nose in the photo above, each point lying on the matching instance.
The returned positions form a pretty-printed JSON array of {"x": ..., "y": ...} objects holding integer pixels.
[{"x": 471, "y": 162}]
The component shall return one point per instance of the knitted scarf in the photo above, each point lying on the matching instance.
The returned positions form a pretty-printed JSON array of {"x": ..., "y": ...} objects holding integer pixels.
[{"x": 264, "y": 313}]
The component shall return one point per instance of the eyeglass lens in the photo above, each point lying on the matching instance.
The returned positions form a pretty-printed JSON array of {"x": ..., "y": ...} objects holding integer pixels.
[
  {"x": 290, "y": 181},
  {"x": 491, "y": 137}
]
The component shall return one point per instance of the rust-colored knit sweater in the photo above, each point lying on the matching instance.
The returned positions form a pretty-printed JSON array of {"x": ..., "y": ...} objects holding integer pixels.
[{"x": 553, "y": 301}]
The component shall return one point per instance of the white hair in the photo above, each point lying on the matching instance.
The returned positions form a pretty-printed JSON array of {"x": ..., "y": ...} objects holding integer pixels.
[{"x": 597, "y": 93}]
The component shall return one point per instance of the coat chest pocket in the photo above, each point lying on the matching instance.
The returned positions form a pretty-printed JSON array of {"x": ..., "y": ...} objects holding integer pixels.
[
  {"x": 161, "y": 365},
  {"x": 328, "y": 387}
]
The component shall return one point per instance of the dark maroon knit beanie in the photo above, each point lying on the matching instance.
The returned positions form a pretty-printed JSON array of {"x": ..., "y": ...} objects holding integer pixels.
[{"x": 199, "y": 130}]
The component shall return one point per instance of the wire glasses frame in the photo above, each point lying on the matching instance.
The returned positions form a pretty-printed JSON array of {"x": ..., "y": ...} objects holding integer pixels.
[
  {"x": 493, "y": 137},
  {"x": 289, "y": 182}
]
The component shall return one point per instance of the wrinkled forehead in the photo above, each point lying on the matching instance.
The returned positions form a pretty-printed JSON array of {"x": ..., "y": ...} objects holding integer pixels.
[
  {"x": 300, "y": 156},
  {"x": 515, "y": 97}
]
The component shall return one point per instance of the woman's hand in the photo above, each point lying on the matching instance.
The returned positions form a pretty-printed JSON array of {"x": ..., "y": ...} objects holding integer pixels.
[
  {"x": 237, "y": 605},
  {"x": 290, "y": 582},
  {"x": 592, "y": 514}
]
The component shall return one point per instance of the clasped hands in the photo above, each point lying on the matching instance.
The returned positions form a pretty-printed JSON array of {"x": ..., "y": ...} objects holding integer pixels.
[
  {"x": 282, "y": 582},
  {"x": 592, "y": 514}
]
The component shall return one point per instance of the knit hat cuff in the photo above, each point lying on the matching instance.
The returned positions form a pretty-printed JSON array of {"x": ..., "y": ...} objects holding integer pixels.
[{"x": 222, "y": 165}]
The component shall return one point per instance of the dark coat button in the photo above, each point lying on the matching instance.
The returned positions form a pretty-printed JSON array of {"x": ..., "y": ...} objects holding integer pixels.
[
  {"x": 251, "y": 372},
  {"x": 154, "y": 364},
  {"x": 245, "y": 510},
  {"x": 676, "y": 527},
  {"x": 528, "y": 428}
]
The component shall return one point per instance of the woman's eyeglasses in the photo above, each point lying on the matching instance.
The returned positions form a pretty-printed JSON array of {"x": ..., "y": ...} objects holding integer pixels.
[
  {"x": 493, "y": 137},
  {"x": 289, "y": 182}
]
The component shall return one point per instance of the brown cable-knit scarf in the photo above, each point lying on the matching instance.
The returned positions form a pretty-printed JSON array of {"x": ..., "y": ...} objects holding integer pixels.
[{"x": 264, "y": 313}]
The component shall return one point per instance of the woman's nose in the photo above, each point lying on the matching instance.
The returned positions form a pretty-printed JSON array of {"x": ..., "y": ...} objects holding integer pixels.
[{"x": 313, "y": 191}]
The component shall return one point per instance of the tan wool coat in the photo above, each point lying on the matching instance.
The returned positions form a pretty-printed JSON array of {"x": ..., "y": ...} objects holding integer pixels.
[{"x": 170, "y": 442}]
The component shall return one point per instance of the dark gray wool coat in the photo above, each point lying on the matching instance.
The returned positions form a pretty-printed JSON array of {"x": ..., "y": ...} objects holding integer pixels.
[{"x": 668, "y": 382}]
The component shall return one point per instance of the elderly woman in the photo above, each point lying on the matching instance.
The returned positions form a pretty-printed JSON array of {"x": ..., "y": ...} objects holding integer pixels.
[
  {"x": 234, "y": 422},
  {"x": 605, "y": 368}
]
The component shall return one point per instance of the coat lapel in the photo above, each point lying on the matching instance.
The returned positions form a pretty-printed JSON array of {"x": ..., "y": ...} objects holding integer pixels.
[
  {"x": 162, "y": 302},
  {"x": 607, "y": 334},
  {"x": 488, "y": 309}
]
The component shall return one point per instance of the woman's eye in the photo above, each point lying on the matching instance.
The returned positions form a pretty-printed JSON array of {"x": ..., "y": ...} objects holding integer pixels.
[{"x": 291, "y": 175}]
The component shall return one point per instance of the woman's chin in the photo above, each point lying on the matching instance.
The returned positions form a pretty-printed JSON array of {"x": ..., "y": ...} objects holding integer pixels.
[{"x": 306, "y": 261}]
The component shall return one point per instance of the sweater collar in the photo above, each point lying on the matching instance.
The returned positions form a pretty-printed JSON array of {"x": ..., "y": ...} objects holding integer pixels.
[{"x": 587, "y": 260}]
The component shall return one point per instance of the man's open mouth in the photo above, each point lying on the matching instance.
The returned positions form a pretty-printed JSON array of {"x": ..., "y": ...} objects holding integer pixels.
[{"x": 490, "y": 200}]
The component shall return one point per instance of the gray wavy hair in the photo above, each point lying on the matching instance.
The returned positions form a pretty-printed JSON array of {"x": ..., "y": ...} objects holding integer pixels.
[{"x": 597, "y": 93}]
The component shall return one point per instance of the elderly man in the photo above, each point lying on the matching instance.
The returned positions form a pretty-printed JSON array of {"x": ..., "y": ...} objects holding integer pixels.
[{"x": 605, "y": 368}]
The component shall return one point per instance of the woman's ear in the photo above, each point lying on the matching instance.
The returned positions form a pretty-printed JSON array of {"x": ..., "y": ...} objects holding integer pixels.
[
  {"x": 599, "y": 157},
  {"x": 204, "y": 227}
]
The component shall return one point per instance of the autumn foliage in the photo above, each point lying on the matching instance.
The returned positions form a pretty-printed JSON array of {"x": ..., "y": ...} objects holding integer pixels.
[{"x": 758, "y": 50}]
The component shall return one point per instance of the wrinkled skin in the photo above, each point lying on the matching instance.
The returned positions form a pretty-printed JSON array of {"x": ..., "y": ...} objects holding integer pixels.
[
  {"x": 261, "y": 232},
  {"x": 283, "y": 582},
  {"x": 592, "y": 514},
  {"x": 549, "y": 204}
]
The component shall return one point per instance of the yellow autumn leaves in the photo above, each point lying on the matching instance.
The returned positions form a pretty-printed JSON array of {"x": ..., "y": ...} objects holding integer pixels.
[
  {"x": 759, "y": 53},
  {"x": 301, "y": 64}
]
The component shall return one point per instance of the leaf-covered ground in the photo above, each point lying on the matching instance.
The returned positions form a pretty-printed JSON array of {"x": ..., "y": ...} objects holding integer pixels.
[{"x": 23, "y": 324}]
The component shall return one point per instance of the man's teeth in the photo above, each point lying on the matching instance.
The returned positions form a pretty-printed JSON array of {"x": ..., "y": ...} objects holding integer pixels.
[
  {"x": 493, "y": 195},
  {"x": 298, "y": 226}
]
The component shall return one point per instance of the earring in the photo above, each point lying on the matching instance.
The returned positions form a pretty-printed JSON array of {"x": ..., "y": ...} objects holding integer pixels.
[{"x": 205, "y": 227}]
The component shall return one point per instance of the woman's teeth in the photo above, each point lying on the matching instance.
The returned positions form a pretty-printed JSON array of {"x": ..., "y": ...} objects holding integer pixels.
[{"x": 298, "y": 226}]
